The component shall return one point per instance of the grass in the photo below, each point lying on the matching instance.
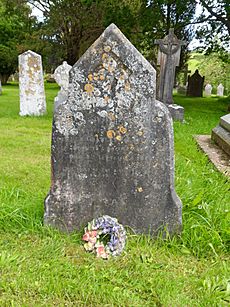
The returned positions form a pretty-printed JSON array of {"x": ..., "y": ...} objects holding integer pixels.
[{"x": 41, "y": 267}]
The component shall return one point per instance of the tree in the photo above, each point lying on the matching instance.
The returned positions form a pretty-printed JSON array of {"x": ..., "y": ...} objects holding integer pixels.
[
  {"x": 214, "y": 30},
  {"x": 15, "y": 22}
]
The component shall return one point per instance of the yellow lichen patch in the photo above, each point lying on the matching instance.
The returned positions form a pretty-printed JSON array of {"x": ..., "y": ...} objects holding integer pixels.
[
  {"x": 111, "y": 116},
  {"x": 104, "y": 56},
  {"x": 127, "y": 86},
  {"x": 139, "y": 189},
  {"x": 140, "y": 133},
  {"x": 90, "y": 77},
  {"x": 89, "y": 88},
  {"x": 118, "y": 138},
  {"x": 122, "y": 77},
  {"x": 107, "y": 48},
  {"x": 122, "y": 130},
  {"x": 110, "y": 134},
  {"x": 102, "y": 77},
  {"x": 95, "y": 76}
]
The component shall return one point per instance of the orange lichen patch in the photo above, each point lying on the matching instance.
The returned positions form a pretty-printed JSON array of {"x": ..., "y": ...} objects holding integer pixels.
[
  {"x": 111, "y": 116},
  {"x": 107, "y": 48},
  {"x": 122, "y": 129},
  {"x": 118, "y": 138},
  {"x": 110, "y": 68},
  {"x": 139, "y": 189},
  {"x": 106, "y": 98},
  {"x": 140, "y": 133},
  {"x": 88, "y": 88},
  {"x": 104, "y": 56},
  {"x": 110, "y": 134},
  {"x": 127, "y": 86},
  {"x": 90, "y": 77},
  {"x": 102, "y": 77}
]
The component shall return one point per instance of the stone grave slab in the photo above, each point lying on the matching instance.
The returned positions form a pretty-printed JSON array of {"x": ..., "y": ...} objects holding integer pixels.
[
  {"x": 31, "y": 84},
  {"x": 112, "y": 144},
  {"x": 221, "y": 133}
]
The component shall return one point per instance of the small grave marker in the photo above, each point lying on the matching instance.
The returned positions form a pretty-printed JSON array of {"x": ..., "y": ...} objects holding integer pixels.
[{"x": 31, "y": 84}]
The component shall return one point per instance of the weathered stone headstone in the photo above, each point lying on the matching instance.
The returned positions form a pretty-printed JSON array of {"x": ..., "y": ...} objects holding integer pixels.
[
  {"x": 168, "y": 59},
  {"x": 186, "y": 71},
  {"x": 112, "y": 144},
  {"x": 220, "y": 90},
  {"x": 0, "y": 87},
  {"x": 208, "y": 89},
  {"x": 195, "y": 85},
  {"x": 31, "y": 84},
  {"x": 61, "y": 75},
  {"x": 221, "y": 133}
]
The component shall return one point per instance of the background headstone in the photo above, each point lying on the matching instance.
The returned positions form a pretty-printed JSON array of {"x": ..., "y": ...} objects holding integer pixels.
[
  {"x": 112, "y": 144},
  {"x": 31, "y": 84},
  {"x": 168, "y": 59},
  {"x": 220, "y": 90},
  {"x": 208, "y": 89},
  {"x": 61, "y": 76},
  {"x": 221, "y": 133},
  {"x": 195, "y": 85}
]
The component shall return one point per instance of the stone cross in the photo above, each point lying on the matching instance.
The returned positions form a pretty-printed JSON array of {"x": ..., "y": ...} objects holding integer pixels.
[
  {"x": 31, "y": 84},
  {"x": 112, "y": 144},
  {"x": 208, "y": 89},
  {"x": 220, "y": 90},
  {"x": 168, "y": 59}
]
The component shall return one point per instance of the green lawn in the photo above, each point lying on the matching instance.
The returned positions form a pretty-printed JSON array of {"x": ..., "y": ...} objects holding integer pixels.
[{"x": 42, "y": 267}]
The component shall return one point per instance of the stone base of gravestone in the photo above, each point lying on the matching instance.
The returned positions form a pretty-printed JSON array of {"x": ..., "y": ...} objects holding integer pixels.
[
  {"x": 221, "y": 133},
  {"x": 215, "y": 154},
  {"x": 177, "y": 112}
]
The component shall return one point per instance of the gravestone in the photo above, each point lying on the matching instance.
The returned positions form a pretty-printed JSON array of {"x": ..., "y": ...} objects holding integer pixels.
[
  {"x": 31, "y": 84},
  {"x": 221, "y": 133},
  {"x": 168, "y": 59},
  {"x": 208, "y": 89},
  {"x": 112, "y": 144},
  {"x": 220, "y": 90},
  {"x": 61, "y": 76},
  {"x": 195, "y": 85},
  {"x": 0, "y": 87}
]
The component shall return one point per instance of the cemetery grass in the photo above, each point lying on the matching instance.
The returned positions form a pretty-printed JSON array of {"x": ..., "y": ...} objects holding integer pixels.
[{"x": 41, "y": 267}]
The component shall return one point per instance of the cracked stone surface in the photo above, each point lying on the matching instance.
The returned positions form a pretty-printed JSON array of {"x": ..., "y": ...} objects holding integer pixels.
[
  {"x": 112, "y": 144},
  {"x": 31, "y": 84}
]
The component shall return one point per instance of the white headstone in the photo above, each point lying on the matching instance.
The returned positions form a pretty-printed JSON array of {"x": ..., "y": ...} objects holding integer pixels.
[
  {"x": 31, "y": 84},
  {"x": 61, "y": 75},
  {"x": 208, "y": 89},
  {"x": 220, "y": 90}
]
